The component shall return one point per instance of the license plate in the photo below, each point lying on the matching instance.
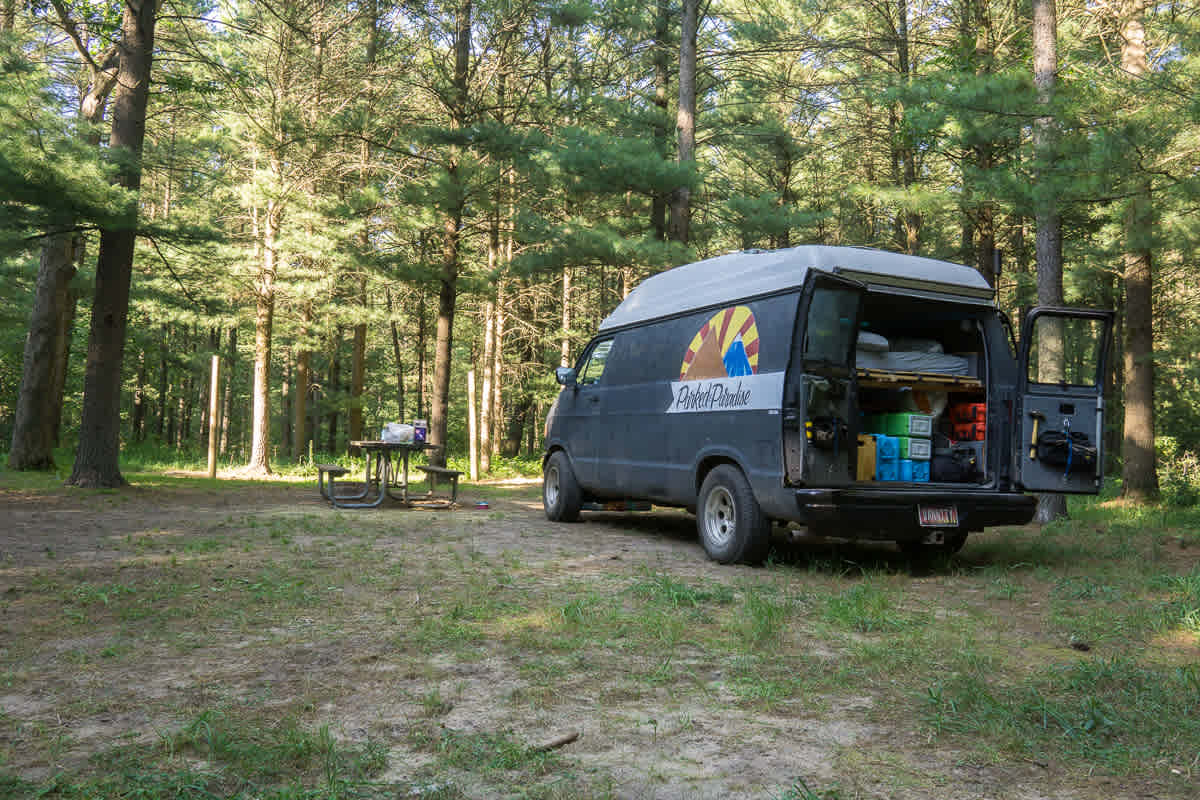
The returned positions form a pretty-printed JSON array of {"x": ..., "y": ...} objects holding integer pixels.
[{"x": 937, "y": 516}]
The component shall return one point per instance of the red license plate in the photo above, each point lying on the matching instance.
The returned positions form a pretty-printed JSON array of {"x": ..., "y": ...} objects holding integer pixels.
[{"x": 937, "y": 516}]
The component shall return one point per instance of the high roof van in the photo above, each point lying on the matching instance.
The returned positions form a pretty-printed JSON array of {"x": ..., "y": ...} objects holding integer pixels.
[{"x": 856, "y": 392}]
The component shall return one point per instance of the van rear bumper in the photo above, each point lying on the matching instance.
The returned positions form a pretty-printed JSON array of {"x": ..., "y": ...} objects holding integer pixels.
[{"x": 873, "y": 513}]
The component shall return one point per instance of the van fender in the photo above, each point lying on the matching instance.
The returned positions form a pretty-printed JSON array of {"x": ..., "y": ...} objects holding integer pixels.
[
  {"x": 767, "y": 484},
  {"x": 553, "y": 445}
]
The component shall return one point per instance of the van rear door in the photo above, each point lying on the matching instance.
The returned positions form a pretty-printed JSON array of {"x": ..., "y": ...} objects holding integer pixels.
[
  {"x": 820, "y": 394},
  {"x": 1060, "y": 422}
]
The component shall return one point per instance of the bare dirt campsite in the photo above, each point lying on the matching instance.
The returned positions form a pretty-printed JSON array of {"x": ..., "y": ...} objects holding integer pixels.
[{"x": 186, "y": 638}]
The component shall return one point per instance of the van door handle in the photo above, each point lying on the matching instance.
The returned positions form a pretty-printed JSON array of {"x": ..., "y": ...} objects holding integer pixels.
[{"x": 594, "y": 399}]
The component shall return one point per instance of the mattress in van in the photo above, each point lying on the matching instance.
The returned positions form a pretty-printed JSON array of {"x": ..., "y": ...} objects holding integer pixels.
[{"x": 906, "y": 361}]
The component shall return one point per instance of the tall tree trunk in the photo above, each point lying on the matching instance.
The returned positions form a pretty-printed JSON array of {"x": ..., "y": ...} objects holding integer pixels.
[
  {"x": 288, "y": 393},
  {"x": 96, "y": 460},
  {"x": 396, "y": 355},
  {"x": 358, "y": 373},
  {"x": 438, "y": 416},
  {"x": 662, "y": 88},
  {"x": 685, "y": 121},
  {"x": 300, "y": 420},
  {"x": 498, "y": 368},
  {"x": 62, "y": 359},
  {"x": 162, "y": 387},
  {"x": 485, "y": 393},
  {"x": 39, "y": 401},
  {"x": 33, "y": 433},
  {"x": 139, "y": 399},
  {"x": 227, "y": 402},
  {"x": 264, "y": 321},
  {"x": 1139, "y": 476},
  {"x": 565, "y": 344},
  {"x": 910, "y": 218},
  {"x": 332, "y": 389},
  {"x": 1048, "y": 242},
  {"x": 421, "y": 354},
  {"x": 358, "y": 360}
]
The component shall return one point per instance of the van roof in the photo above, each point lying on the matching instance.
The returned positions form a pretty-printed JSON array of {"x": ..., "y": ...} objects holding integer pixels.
[{"x": 750, "y": 273}]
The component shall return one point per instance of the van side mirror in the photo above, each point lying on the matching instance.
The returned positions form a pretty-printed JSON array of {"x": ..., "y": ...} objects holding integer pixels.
[{"x": 565, "y": 376}]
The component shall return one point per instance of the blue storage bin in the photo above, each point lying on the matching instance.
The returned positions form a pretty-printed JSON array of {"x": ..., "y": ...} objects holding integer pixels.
[
  {"x": 905, "y": 469},
  {"x": 887, "y": 471},
  {"x": 887, "y": 448},
  {"x": 920, "y": 471}
]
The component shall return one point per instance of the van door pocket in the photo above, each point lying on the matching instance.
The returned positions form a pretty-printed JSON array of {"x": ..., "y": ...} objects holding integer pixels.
[
  {"x": 1071, "y": 450},
  {"x": 827, "y": 433}
]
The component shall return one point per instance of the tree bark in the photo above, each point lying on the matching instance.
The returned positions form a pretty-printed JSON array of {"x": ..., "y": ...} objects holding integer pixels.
[
  {"x": 139, "y": 400},
  {"x": 1048, "y": 241},
  {"x": 485, "y": 395},
  {"x": 227, "y": 402},
  {"x": 565, "y": 344},
  {"x": 452, "y": 225},
  {"x": 96, "y": 460},
  {"x": 1139, "y": 476},
  {"x": 685, "y": 120},
  {"x": 36, "y": 424},
  {"x": 33, "y": 429},
  {"x": 396, "y": 355},
  {"x": 264, "y": 320},
  {"x": 358, "y": 374},
  {"x": 332, "y": 388},
  {"x": 662, "y": 88},
  {"x": 300, "y": 421}
]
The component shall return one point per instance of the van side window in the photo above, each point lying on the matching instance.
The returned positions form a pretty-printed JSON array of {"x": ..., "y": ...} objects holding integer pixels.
[
  {"x": 830, "y": 330},
  {"x": 594, "y": 367}
]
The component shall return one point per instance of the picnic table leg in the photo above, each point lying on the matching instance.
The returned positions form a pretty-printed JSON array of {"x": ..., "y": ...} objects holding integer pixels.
[{"x": 380, "y": 466}]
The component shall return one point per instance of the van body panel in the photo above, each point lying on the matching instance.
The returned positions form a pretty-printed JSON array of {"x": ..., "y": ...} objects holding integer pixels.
[
  {"x": 700, "y": 386},
  {"x": 751, "y": 360}
]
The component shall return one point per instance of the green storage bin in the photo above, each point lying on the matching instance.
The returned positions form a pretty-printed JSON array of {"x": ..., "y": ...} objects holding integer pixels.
[
  {"x": 915, "y": 449},
  {"x": 901, "y": 424}
]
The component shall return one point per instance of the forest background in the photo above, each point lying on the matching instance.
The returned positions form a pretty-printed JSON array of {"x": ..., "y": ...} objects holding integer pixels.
[{"x": 379, "y": 211}]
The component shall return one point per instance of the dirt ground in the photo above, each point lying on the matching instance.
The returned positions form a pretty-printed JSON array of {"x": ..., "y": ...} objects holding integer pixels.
[{"x": 658, "y": 745}]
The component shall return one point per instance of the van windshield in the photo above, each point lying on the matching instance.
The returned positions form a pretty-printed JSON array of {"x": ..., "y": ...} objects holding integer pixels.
[{"x": 830, "y": 331}]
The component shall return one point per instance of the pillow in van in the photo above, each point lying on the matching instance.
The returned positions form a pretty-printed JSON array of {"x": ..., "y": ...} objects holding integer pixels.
[{"x": 871, "y": 342}]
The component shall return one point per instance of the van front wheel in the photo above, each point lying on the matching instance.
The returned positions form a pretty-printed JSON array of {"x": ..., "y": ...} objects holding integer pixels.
[
  {"x": 732, "y": 526},
  {"x": 561, "y": 494}
]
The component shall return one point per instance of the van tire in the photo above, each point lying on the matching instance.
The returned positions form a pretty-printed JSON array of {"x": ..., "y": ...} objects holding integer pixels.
[
  {"x": 732, "y": 526},
  {"x": 561, "y": 494}
]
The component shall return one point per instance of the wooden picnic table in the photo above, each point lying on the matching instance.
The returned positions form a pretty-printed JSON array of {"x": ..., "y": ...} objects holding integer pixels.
[{"x": 379, "y": 455}]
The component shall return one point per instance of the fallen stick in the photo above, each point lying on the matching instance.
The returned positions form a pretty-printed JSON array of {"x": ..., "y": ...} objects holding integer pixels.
[{"x": 554, "y": 744}]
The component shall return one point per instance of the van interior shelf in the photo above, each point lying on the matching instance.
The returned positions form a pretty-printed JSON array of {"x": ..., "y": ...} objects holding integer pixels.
[{"x": 925, "y": 381}]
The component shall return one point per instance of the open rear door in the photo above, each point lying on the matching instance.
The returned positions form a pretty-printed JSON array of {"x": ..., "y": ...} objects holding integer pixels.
[
  {"x": 820, "y": 403},
  {"x": 1060, "y": 428}
]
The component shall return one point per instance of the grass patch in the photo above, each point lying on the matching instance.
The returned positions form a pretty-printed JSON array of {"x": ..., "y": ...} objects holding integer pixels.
[{"x": 1115, "y": 714}]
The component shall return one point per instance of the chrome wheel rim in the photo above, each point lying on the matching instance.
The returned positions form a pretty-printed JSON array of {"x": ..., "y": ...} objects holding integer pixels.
[
  {"x": 550, "y": 489},
  {"x": 720, "y": 517}
]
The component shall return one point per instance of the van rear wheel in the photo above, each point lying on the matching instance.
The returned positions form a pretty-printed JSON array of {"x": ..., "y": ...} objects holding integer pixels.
[
  {"x": 732, "y": 527},
  {"x": 561, "y": 495}
]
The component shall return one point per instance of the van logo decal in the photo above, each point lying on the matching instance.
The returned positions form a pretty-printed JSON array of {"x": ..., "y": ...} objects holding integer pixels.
[
  {"x": 720, "y": 368},
  {"x": 725, "y": 347}
]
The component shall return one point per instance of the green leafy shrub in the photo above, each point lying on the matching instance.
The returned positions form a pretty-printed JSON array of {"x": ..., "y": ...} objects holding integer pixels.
[{"x": 1178, "y": 472}]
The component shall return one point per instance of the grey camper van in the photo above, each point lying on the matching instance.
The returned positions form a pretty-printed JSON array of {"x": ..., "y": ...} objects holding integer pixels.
[{"x": 860, "y": 393}]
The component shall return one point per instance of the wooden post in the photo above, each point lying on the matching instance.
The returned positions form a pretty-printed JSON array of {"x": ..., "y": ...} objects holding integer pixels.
[
  {"x": 473, "y": 447},
  {"x": 214, "y": 424}
]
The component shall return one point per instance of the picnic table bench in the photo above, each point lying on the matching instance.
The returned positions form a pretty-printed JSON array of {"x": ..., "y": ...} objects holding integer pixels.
[{"x": 434, "y": 474}]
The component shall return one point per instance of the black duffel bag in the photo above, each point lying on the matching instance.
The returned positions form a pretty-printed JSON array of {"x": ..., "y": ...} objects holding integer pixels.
[
  {"x": 956, "y": 465},
  {"x": 1072, "y": 451}
]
